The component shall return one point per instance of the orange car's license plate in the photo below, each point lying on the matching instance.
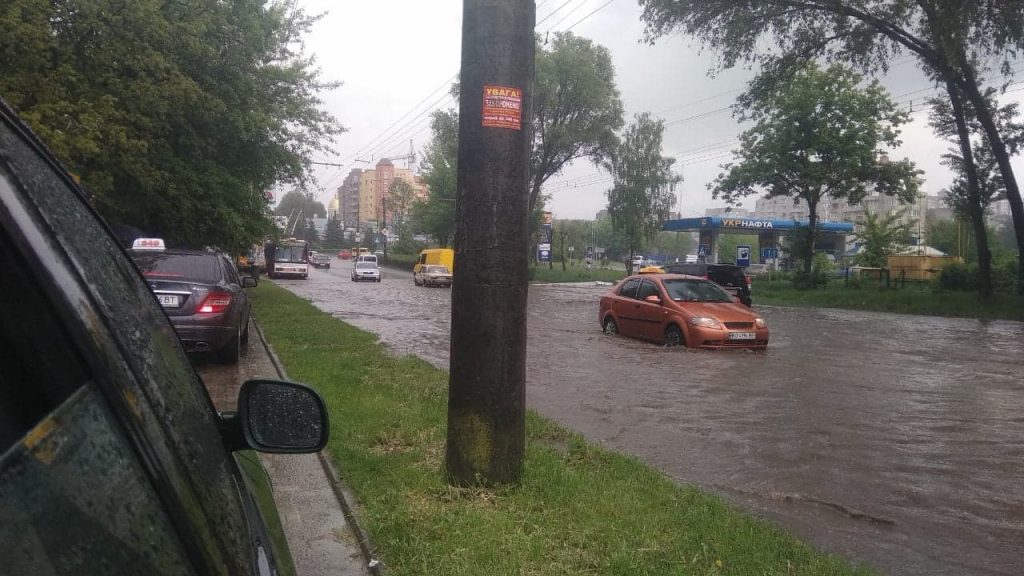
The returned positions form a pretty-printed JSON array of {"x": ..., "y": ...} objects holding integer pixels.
[{"x": 741, "y": 335}]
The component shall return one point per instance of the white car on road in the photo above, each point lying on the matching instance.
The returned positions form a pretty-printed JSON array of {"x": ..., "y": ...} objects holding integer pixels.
[{"x": 366, "y": 271}]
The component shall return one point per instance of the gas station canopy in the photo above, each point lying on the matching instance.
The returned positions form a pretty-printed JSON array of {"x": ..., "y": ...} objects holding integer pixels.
[{"x": 751, "y": 225}]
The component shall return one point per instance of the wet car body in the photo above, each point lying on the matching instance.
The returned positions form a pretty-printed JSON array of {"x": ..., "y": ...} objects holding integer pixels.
[
  {"x": 433, "y": 275},
  {"x": 112, "y": 457},
  {"x": 680, "y": 309},
  {"x": 322, "y": 261},
  {"x": 366, "y": 270},
  {"x": 203, "y": 296}
]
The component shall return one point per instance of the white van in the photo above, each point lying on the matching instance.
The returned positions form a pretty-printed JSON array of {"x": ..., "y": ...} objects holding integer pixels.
[{"x": 367, "y": 258}]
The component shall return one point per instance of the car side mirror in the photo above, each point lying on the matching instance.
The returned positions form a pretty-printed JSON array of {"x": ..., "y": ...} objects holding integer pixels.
[
  {"x": 653, "y": 299},
  {"x": 276, "y": 416},
  {"x": 248, "y": 282}
]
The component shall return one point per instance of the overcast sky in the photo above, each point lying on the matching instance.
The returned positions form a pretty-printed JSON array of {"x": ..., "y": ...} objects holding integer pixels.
[{"x": 397, "y": 57}]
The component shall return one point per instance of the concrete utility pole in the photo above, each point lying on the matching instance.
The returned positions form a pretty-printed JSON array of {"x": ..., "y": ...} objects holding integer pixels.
[{"x": 487, "y": 389}]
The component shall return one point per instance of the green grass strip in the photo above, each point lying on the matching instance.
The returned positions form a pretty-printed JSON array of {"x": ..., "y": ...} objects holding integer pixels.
[
  {"x": 921, "y": 299},
  {"x": 580, "y": 509}
]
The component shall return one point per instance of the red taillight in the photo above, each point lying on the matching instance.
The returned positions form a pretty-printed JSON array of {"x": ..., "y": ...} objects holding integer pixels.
[
  {"x": 215, "y": 303},
  {"x": 748, "y": 280}
]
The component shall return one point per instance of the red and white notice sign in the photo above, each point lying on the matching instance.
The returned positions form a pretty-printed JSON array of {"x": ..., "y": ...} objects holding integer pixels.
[{"x": 503, "y": 107}]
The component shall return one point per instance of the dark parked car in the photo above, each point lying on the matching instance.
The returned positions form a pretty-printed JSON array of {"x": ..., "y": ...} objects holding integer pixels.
[
  {"x": 201, "y": 293},
  {"x": 112, "y": 458},
  {"x": 322, "y": 261},
  {"x": 728, "y": 276}
]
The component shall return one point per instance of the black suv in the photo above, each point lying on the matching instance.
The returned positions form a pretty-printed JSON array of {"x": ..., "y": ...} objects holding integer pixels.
[
  {"x": 728, "y": 276},
  {"x": 112, "y": 457}
]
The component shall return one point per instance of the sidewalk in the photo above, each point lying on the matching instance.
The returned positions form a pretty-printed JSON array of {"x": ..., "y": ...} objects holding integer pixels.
[{"x": 321, "y": 539}]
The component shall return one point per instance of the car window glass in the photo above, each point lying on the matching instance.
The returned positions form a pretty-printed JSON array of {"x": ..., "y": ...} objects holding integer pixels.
[
  {"x": 36, "y": 375},
  {"x": 163, "y": 266},
  {"x": 229, "y": 270},
  {"x": 695, "y": 291},
  {"x": 629, "y": 288},
  {"x": 73, "y": 497},
  {"x": 647, "y": 288},
  {"x": 181, "y": 408}
]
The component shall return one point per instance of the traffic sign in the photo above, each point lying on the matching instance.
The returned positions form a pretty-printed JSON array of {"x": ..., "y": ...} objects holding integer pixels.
[
  {"x": 544, "y": 252},
  {"x": 703, "y": 250},
  {"x": 743, "y": 256}
]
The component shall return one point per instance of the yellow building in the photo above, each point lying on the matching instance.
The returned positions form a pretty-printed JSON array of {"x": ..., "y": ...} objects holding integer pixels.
[{"x": 373, "y": 187}]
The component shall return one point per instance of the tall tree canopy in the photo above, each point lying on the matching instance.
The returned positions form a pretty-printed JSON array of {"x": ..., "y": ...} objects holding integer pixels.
[
  {"x": 576, "y": 107},
  {"x": 880, "y": 236},
  {"x": 643, "y": 183},
  {"x": 978, "y": 181},
  {"x": 435, "y": 216},
  {"x": 816, "y": 136},
  {"x": 178, "y": 116},
  {"x": 960, "y": 44},
  {"x": 399, "y": 201}
]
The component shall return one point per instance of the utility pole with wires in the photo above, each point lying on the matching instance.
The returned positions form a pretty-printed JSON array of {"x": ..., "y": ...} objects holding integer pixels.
[{"x": 486, "y": 440}]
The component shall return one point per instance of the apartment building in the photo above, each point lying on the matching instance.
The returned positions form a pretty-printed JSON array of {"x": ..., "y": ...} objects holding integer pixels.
[{"x": 369, "y": 190}]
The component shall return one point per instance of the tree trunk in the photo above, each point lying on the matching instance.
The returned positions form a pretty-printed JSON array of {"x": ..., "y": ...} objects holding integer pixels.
[
  {"x": 974, "y": 208},
  {"x": 486, "y": 438},
  {"x": 812, "y": 232},
  {"x": 563, "y": 251},
  {"x": 998, "y": 147}
]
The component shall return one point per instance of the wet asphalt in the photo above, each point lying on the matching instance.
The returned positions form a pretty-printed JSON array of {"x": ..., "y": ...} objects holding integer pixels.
[{"x": 896, "y": 441}]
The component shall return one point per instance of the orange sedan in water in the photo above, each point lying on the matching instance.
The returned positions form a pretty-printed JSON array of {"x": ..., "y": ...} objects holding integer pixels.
[{"x": 680, "y": 310}]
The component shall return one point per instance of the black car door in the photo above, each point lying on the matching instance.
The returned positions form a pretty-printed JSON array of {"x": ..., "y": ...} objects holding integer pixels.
[{"x": 137, "y": 371}]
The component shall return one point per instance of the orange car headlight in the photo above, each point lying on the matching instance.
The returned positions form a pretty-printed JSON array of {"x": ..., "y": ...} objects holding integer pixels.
[
  {"x": 760, "y": 323},
  {"x": 705, "y": 322}
]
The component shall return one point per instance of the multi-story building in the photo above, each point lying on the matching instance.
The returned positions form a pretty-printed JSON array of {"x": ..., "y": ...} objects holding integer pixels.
[
  {"x": 360, "y": 197},
  {"x": 839, "y": 210},
  {"x": 348, "y": 200}
]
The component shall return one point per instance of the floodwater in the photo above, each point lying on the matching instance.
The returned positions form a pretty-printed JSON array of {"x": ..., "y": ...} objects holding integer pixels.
[{"x": 896, "y": 441}]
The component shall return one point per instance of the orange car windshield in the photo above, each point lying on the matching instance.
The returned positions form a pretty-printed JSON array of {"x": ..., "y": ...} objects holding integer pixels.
[{"x": 695, "y": 291}]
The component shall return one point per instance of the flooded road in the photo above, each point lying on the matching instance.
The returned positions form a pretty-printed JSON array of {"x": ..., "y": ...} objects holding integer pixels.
[{"x": 897, "y": 441}]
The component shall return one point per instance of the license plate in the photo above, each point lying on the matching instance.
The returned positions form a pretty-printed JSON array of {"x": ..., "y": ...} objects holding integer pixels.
[
  {"x": 741, "y": 335},
  {"x": 167, "y": 300}
]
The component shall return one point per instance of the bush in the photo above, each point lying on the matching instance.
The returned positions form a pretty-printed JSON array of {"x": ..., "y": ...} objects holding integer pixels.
[
  {"x": 957, "y": 276},
  {"x": 1004, "y": 274},
  {"x": 822, "y": 270}
]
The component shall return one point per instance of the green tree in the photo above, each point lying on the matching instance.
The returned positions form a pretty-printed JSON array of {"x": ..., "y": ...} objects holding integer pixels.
[
  {"x": 300, "y": 204},
  {"x": 309, "y": 233},
  {"x": 369, "y": 239},
  {"x": 727, "y": 244},
  {"x": 643, "y": 184},
  {"x": 435, "y": 216},
  {"x": 298, "y": 207},
  {"x": 978, "y": 180},
  {"x": 400, "y": 198},
  {"x": 953, "y": 238},
  {"x": 880, "y": 236},
  {"x": 334, "y": 235},
  {"x": 817, "y": 136},
  {"x": 177, "y": 115},
  {"x": 958, "y": 44},
  {"x": 576, "y": 107},
  {"x": 670, "y": 245}
]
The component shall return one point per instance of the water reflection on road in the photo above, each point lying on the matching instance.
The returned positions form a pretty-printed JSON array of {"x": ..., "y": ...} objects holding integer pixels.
[{"x": 893, "y": 440}]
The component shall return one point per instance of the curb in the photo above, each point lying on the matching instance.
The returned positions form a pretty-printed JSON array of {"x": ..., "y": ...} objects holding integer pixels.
[{"x": 333, "y": 475}]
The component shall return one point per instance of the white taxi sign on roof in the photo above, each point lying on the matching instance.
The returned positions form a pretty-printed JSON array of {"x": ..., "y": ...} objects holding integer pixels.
[{"x": 148, "y": 244}]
